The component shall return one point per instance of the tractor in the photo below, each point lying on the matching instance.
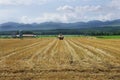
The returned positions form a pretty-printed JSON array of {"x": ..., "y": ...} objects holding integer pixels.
[{"x": 60, "y": 37}]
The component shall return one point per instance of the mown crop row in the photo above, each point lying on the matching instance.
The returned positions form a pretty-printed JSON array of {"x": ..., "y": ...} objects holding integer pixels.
[{"x": 69, "y": 55}]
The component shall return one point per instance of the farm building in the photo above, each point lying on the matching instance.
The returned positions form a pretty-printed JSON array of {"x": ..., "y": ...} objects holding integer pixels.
[
  {"x": 25, "y": 36},
  {"x": 28, "y": 35}
]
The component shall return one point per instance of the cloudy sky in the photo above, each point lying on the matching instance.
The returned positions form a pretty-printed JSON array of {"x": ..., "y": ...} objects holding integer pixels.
[{"x": 67, "y": 11}]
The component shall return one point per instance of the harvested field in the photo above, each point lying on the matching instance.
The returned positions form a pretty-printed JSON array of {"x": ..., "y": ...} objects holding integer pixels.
[{"x": 53, "y": 59}]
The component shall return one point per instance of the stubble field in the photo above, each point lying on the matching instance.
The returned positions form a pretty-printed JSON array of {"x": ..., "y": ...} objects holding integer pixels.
[{"x": 53, "y": 59}]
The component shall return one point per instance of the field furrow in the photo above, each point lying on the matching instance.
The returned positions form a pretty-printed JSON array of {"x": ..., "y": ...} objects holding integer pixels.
[{"x": 51, "y": 58}]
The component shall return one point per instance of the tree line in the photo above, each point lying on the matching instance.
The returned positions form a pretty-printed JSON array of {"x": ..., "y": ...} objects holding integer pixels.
[{"x": 83, "y": 31}]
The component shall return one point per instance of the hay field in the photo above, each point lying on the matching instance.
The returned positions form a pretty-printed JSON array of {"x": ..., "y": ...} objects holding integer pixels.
[{"x": 53, "y": 59}]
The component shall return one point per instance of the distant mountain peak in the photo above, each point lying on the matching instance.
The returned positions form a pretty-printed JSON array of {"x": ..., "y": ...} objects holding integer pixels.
[{"x": 56, "y": 25}]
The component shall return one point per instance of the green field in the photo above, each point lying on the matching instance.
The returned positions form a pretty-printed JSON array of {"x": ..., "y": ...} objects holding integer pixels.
[
  {"x": 109, "y": 37},
  {"x": 53, "y": 36},
  {"x": 72, "y": 36}
]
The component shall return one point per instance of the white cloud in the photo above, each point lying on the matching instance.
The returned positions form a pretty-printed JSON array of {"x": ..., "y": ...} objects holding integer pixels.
[
  {"x": 66, "y": 13},
  {"x": 22, "y": 2},
  {"x": 108, "y": 16},
  {"x": 78, "y": 13},
  {"x": 74, "y": 14},
  {"x": 115, "y": 4},
  {"x": 45, "y": 18},
  {"x": 65, "y": 8},
  {"x": 88, "y": 8},
  {"x": 54, "y": 17},
  {"x": 81, "y": 9},
  {"x": 25, "y": 19},
  {"x": 109, "y": 11}
]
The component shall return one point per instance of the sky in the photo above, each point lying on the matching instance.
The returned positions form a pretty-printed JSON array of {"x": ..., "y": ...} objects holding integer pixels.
[{"x": 66, "y": 11}]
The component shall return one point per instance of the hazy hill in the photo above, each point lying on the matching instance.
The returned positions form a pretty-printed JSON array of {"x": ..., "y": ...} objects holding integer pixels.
[{"x": 9, "y": 26}]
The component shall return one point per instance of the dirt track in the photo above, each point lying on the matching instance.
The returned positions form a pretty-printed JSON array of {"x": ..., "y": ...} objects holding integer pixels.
[{"x": 53, "y": 59}]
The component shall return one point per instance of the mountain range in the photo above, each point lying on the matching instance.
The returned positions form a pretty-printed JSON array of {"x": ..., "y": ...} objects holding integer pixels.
[{"x": 10, "y": 26}]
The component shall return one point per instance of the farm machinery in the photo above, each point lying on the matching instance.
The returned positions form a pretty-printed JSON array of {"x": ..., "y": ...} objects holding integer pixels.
[{"x": 60, "y": 37}]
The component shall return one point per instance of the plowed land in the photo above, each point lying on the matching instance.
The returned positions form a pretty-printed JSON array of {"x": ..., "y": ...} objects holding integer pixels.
[{"x": 53, "y": 59}]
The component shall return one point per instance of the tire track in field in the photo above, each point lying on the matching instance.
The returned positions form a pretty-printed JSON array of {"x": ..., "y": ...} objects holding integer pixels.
[
  {"x": 114, "y": 57},
  {"x": 41, "y": 53},
  {"x": 85, "y": 52},
  {"x": 74, "y": 55},
  {"x": 85, "y": 62},
  {"x": 107, "y": 48},
  {"x": 107, "y": 42},
  {"x": 20, "y": 50},
  {"x": 29, "y": 52},
  {"x": 109, "y": 45},
  {"x": 61, "y": 55},
  {"x": 107, "y": 60},
  {"x": 53, "y": 56},
  {"x": 89, "y": 57},
  {"x": 24, "y": 46},
  {"x": 54, "y": 51},
  {"x": 98, "y": 51}
]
